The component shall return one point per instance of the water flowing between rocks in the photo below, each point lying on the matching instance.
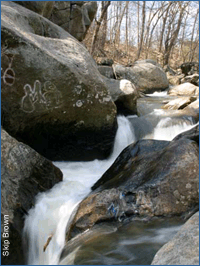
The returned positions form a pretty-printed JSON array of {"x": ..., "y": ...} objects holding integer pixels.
[{"x": 53, "y": 208}]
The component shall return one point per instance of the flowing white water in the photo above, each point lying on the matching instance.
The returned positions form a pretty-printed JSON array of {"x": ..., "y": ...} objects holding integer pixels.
[
  {"x": 53, "y": 208},
  {"x": 168, "y": 128},
  {"x": 158, "y": 94}
]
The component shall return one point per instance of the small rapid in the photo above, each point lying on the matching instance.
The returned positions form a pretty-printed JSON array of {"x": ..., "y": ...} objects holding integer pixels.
[
  {"x": 53, "y": 208},
  {"x": 168, "y": 128}
]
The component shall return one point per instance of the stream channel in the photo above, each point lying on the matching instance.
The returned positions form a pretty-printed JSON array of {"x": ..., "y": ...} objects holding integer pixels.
[{"x": 133, "y": 243}]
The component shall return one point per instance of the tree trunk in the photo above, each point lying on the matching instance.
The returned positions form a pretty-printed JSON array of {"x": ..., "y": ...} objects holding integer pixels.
[
  {"x": 95, "y": 35},
  {"x": 103, "y": 27},
  {"x": 163, "y": 27},
  {"x": 171, "y": 41},
  {"x": 192, "y": 37},
  {"x": 142, "y": 31}
]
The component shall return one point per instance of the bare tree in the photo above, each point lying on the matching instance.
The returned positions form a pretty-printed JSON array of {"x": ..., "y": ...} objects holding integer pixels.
[
  {"x": 192, "y": 37},
  {"x": 98, "y": 24},
  {"x": 172, "y": 35},
  {"x": 142, "y": 30},
  {"x": 167, "y": 31}
]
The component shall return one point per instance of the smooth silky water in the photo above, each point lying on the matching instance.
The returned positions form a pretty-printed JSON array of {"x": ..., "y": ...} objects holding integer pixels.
[{"x": 53, "y": 208}]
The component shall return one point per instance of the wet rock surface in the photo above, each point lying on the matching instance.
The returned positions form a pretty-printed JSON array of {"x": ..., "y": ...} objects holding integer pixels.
[
  {"x": 62, "y": 107},
  {"x": 183, "y": 249},
  {"x": 192, "y": 134},
  {"x": 149, "y": 178},
  {"x": 24, "y": 173}
]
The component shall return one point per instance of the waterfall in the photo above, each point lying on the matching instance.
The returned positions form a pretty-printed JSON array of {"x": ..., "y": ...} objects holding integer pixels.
[{"x": 53, "y": 208}]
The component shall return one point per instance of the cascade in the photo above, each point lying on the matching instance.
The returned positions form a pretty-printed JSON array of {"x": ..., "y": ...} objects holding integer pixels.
[
  {"x": 52, "y": 210},
  {"x": 50, "y": 216}
]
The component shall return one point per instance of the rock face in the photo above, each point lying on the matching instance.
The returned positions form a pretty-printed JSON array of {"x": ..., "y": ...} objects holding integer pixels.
[
  {"x": 184, "y": 89},
  {"x": 43, "y": 8},
  {"x": 124, "y": 94},
  {"x": 183, "y": 249},
  {"x": 147, "y": 76},
  {"x": 24, "y": 173},
  {"x": 74, "y": 16},
  {"x": 53, "y": 97},
  {"x": 149, "y": 178}
]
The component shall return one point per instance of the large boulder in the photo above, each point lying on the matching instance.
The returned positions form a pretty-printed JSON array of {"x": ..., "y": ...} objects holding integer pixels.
[
  {"x": 184, "y": 89},
  {"x": 74, "y": 16},
  {"x": 183, "y": 249},
  {"x": 24, "y": 173},
  {"x": 53, "y": 97},
  {"x": 147, "y": 76},
  {"x": 149, "y": 178}
]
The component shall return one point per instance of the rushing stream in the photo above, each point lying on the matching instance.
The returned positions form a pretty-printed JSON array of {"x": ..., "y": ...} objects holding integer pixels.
[{"x": 53, "y": 208}]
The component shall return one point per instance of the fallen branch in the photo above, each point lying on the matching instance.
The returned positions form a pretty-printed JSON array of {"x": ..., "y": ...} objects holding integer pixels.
[{"x": 47, "y": 242}]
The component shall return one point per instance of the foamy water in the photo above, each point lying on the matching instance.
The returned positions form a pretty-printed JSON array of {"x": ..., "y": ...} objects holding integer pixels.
[
  {"x": 158, "y": 94},
  {"x": 168, "y": 128},
  {"x": 53, "y": 208}
]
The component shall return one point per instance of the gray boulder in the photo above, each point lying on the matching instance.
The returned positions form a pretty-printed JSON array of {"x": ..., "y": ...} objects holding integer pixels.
[
  {"x": 147, "y": 76},
  {"x": 183, "y": 249},
  {"x": 124, "y": 94},
  {"x": 53, "y": 97},
  {"x": 149, "y": 178},
  {"x": 106, "y": 71},
  {"x": 24, "y": 173}
]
